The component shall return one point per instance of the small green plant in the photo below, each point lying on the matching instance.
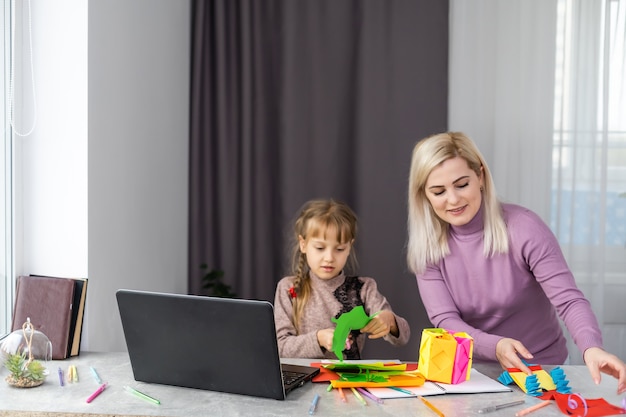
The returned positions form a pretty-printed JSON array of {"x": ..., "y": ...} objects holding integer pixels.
[
  {"x": 24, "y": 372},
  {"x": 212, "y": 281}
]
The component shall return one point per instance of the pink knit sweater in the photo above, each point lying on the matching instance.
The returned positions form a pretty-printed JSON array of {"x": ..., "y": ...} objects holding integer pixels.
[{"x": 329, "y": 298}]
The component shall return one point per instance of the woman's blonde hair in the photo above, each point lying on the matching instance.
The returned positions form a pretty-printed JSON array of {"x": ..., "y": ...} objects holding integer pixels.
[
  {"x": 428, "y": 234},
  {"x": 314, "y": 219}
]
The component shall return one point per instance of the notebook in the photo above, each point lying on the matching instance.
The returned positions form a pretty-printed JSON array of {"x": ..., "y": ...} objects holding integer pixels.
[
  {"x": 211, "y": 343},
  {"x": 478, "y": 383}
]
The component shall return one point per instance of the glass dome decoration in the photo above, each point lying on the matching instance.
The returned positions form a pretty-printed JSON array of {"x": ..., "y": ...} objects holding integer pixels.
[{"x": 22, "y": 352}]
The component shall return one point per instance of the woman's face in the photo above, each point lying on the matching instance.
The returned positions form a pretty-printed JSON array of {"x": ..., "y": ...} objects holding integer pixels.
[{"x": 454, "y": 191}]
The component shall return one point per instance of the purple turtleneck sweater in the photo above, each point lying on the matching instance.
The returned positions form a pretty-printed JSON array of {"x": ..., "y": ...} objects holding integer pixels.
[{"x": 516, "y": 295}]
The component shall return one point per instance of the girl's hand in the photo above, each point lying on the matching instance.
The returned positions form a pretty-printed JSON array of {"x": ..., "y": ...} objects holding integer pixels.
[
  {"x": 325, "y": 338},
  {"x": 381, "y": 325},
  {"x": 508, "y": 352},
  {"x": 598, "y": 360}
]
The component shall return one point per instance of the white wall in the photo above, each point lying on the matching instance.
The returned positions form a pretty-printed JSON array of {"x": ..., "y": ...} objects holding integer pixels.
[
  {"x": 139, "y": 60},
  {"x": 104, "y": 177}
]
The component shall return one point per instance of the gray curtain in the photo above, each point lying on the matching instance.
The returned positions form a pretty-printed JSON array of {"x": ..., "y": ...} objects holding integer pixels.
[{"x": 300, "y": 99}]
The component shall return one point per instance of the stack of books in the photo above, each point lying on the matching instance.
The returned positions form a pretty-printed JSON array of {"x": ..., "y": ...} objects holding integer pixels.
[{"x": 55, "y": 307}]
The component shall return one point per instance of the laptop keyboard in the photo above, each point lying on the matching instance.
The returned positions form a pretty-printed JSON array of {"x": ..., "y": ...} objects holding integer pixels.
[{"x": 292, "y": 377}]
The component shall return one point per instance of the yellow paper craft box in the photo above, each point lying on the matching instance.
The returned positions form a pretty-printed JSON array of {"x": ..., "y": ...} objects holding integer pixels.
[{"x": 445, "y": 356}]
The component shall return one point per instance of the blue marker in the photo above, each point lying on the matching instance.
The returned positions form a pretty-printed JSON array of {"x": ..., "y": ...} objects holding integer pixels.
[
  {"x": 95, "y": 375},
  {"x": 314, "y": 404}
]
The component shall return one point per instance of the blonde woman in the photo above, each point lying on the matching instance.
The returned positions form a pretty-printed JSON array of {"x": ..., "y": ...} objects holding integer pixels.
[{"x": 491, "y": 269}]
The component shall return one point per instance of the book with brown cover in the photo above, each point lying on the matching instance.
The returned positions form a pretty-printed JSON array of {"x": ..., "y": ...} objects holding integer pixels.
[{"x": 47, "y": 301}]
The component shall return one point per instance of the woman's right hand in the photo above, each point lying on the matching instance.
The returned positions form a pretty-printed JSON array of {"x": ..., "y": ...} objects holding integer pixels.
[{"x": 508, "y": 352}]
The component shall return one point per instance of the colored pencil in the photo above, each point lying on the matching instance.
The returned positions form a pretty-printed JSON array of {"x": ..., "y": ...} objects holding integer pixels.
[{"x": 432, "y": 407}]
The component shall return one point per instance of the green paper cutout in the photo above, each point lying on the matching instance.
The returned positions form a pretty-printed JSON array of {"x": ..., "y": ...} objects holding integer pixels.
[
  {"x": 355, "y": 319},
  {"x": 366, "y": 377},
  {"x": 352, "y": 367}
]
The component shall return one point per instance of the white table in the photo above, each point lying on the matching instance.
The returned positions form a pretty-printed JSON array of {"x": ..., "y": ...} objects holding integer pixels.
[{"x": 184, "y": 402}]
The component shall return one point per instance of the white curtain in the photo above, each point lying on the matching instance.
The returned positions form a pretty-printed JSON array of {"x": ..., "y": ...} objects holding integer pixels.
[
  {"x": 501, "y": 91},
  {"x": 539, "y": 84},
  {"x": 589, "y": 156}
]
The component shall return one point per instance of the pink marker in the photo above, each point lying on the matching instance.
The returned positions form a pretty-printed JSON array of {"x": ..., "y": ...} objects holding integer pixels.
[{"x": 98, "y": 392}]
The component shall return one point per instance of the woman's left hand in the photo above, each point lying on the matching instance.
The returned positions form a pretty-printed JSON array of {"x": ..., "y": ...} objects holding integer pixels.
[
  {"x": 599, "y": 360},
  {"x": 381, "y": 325}
]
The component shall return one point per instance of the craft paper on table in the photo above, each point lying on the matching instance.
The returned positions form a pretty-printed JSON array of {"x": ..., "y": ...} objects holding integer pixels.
[
  {"x": 555, "y": 386},
  {"x": 368, "y": 373},
  {"x": 445, "y": 356},
  {"x": 327, "y": 374},
  {"x": 541, "y": 380},
  {"x": 379, "y": 379},
  {"x": 575, "y": 405},
  {"x": 355, "y": 319},
  {"x": 354, "y": 367},
  {"x": 477, "y": 384}
]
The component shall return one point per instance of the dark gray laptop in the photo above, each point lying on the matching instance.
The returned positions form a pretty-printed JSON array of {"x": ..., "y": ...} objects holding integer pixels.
[{"x": 211, "y": 343}]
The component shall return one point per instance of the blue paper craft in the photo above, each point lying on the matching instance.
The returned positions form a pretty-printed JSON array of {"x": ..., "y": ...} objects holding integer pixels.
[
  {"x": 562, "y": 384},
  {"x": 532, "y": 386},
  {"x": 535, "y": 384}
]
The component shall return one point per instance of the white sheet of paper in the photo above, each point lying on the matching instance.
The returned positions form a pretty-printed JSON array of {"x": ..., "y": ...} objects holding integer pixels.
[{"x": 478, "y": 383}]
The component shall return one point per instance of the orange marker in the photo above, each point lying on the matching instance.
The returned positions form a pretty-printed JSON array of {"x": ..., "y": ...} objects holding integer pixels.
[
  {"x": 533, "y": 408},
  {"x": 342, "y": 395}
]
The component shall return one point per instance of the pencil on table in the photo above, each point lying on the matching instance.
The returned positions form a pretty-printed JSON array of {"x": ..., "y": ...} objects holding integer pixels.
[
  {"x": 432, "y": 407},
  {"x": 358, "y": 396}
]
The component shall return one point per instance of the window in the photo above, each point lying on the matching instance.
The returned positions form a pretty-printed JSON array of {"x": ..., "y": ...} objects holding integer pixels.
[
  {"x": 6, "y": 235},
  {"x": 589, "y": 156}
]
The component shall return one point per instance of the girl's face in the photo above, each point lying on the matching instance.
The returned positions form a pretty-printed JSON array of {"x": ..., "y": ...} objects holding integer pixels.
[
  {"x": 453, "y": 191},
  {"x": 324, "y": 254}
]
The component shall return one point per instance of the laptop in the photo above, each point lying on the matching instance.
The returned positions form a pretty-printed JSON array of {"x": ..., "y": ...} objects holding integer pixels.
[{"x": 211, "y": 343}]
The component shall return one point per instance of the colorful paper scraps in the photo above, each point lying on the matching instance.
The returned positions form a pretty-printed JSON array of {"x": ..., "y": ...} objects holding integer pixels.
[
  {"x": 534, "y": 384},
  {"x": 329, "y": 370},
  {"x": 445, "y": 356},
  {"x": 370, "y": 378},
  {"x": 404, "y": 379},
  {"x": 348, "y": 374},
  {"x": 576, "y": 405},
  {"x": 554, "y": 386}
]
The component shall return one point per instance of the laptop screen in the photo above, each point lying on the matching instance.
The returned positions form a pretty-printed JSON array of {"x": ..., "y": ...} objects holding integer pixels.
[{"x": 211, "y": 343}]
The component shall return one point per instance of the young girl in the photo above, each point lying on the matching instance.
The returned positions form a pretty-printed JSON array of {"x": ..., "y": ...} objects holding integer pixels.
[{"x": 320, "y": 289}]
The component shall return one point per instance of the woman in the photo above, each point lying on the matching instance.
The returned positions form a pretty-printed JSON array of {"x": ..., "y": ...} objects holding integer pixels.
[{"x": 493, "y": 270}]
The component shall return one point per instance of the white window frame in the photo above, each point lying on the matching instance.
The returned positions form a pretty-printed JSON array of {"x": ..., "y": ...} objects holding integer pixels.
[{"x": 6, "y": 182}]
